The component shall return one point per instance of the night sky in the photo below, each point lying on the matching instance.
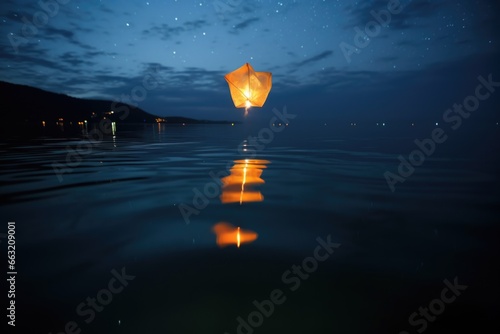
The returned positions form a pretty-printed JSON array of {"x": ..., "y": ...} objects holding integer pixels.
[{"x": 427, "y": 58}]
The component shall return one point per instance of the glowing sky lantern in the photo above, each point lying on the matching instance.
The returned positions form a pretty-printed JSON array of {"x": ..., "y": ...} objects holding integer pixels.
[
  {"x": 245, "y": 175},
  {"x": 249, "y": 88},
  {"x": 228, "y": 235}
]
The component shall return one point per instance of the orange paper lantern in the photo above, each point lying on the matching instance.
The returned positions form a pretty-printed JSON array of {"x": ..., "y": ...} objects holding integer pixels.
[{"x": 249, "y": 88}]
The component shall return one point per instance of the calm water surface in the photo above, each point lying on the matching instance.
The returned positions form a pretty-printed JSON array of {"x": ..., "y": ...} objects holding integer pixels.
[{"x": 120, "y": 204}]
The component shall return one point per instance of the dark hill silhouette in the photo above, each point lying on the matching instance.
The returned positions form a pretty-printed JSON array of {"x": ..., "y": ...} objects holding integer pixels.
[{"x": 25, "y": 104}]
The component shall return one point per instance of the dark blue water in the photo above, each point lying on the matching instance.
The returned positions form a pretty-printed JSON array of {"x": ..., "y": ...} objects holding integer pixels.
[{"x": 116, "y": 204}]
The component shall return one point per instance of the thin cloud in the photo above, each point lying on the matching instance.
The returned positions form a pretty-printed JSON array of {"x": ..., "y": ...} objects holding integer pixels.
[
  {"x": 318, "y": 57},
  {"x": 413, "y": 12},
  {"x": 167, "y": 32},
  {"x": 245, "y": 24}
]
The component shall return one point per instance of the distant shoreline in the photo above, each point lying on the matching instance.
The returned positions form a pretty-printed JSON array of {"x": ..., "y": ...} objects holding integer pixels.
[{"x": 42, "y": 107}]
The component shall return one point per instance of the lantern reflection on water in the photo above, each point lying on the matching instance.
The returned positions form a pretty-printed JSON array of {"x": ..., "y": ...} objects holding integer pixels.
[
  {"x": 227, "y": 235},
  {"x": 237, "y": 187}
]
